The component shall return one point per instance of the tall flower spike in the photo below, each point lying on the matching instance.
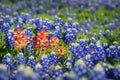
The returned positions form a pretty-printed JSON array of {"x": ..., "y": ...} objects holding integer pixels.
[
  {"x": 80, "y": 69},
  {"x": 8, "y": 60},
  {"x": 98, "y": 73},
  {"x": 54, "y": 41},
  {"x": 44, "y": 61},
  {"x": 69, "y": 63},
  {"x": 40, "y": 70},
  {"x": 4, "y": 75},
  {"x": 53, "y": 58},
  {"x": 29, "y": 74},
  {"x": 57, "y": 72},
  {"x": 20, "y": 59},
  {"x": 31, "y": 62},
  {"x": 116, "y": 73}
]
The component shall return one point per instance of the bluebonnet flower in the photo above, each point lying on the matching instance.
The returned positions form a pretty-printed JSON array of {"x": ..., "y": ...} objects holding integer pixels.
[
  {"x": 111, "y": 51},
  {"x": 1, "y": 22},
  {"x": 70, "y": 22},
  {"x": 93, "y": 40},
  {"x": 56, "y": 20},
  {"x": 16, "y": 15},
  {"x": 92, "y": 10},
  {"x": 73, "y": 49},
  {"x": 44, "y": 61},
  {"x": 47, "y": 61},
  {"x": 9, "y": 42},
  {"x": 116, "y": 50},
  {"x": 116, "y": 73},
  {"x": 107, "y": 33},
  {"x": 79, "y": 50},
  {"x": 69, "y": 37},
  {"x": 29, "y": 46},
  {"x": 112, "y": 26},
  {"x": 38, "y": 24},
  {"x": 82, "y": 8},
  {"x": 7, "y": 19},
  {"x": 20, "y": 26},
  {"x": 68, "y": 76},
  {"x": 28, "y": 31},
  {"x": 14, "y": 21},
  {"x": 20, "y": 59},
  {"x": 29, "y": 74},
  {"x": 88, "y": 26},
  {"x": 98, "y": 73},
  {"x": 58, "y": 28},
  {"x": 118, "y": 54},
  {"x": 52, "y": 12},
  {"x": 9, "y": 39},
  {"x": 107, "y": 21},
  {"x": 108, "y": 70},
  {"x": 8, "y": 60},
  {"x": 45, "y": 77},
  {"x": 24, "y": 73},
  {"x": 57, "y": 72},
  {"x": 71, "y": 31},
  {"x": 99, "y": 52},
  {"x": 69, "y": 64},
  {"x": 20, "y": 23},
  {"x": 31, "y": 62},
  {"x": 4, "y": 75},
  {"x": 116, "y": 22},
  {"x": 80, "y": 69},
  {"x": 90, "y": 61},
  {"x": 40, "y": 10},
  {"x": 106, "y": 46},
  {"x": 25, "y": 17},
  {"x": 58, "y": 34},
  {"x": 117, "y": 16},
  {"x": 18, "y": 75},
  {"x": 5, "y": 28},
  {"x": 40, "y": 70},
  {"x": 53, "y": 58},
  {"x": 83, "y": 43}
]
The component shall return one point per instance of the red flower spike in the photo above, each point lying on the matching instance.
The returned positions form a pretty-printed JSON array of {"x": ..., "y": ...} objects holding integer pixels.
[
  {"x": 54, "y": 41},
  {"x": 18, "y": 31},
  {"x": 43, "y": 33},
  {"x": 21, "y": 39},
  {"x": 61, "y": 51},
  {"x": 19, "y": 44},
  {"x": 24, "y": 37}
]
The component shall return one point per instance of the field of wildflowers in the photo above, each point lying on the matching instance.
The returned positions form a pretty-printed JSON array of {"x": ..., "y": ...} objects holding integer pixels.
[{"x": 59, "y": 39}]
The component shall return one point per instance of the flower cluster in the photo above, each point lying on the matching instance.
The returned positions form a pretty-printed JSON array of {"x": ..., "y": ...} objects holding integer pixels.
[
  {"x": 42, "y": 41},
  {"x": 17, "y": 39},
  {"x": 71, "y": 31},
  {"x": 21, "y": 39},
  {"x": 93, "y": 53},
  {"x": 47, "y": 61},
  {"x": 49, "y": 67}
]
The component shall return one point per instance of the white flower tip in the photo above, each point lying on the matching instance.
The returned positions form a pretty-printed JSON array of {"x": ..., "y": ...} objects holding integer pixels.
[
  {"x": 98, "y": 67},
  {"x": 21, "y": 68},
  {"x": 80, "y": 61},
  {"x": 28, "y": 71},
  {"x": 31, "y": 57},
  {"x": 38, "y": 66},
  {"x": 3, "y": 67},
  {"x": 57, "y": 67}
]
